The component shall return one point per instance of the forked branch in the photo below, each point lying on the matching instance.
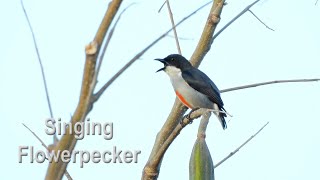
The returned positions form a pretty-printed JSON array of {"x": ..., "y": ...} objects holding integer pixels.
[
  {"x": 137, "y": 56},
  {"x": 151, "y": 169},
  {"x": 47, "y": 148},
  {"x": 68, "y": 141}
]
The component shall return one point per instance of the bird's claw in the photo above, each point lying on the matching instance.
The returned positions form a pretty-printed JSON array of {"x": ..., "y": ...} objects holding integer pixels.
[{"x": 187, "y": 116}]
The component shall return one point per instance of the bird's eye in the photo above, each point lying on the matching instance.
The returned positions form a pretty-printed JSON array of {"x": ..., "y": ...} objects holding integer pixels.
[{"x": 172, "y": 59}]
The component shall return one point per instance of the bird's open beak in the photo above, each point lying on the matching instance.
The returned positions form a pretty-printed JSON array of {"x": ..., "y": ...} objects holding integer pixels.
[{"x": 164, "y": 63}]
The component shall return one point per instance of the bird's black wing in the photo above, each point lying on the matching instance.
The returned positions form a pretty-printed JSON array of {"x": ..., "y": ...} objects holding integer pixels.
[{"x": 202, "y": 83}]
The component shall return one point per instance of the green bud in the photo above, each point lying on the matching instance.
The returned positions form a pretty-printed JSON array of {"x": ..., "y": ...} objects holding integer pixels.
[{"x": 201, "y": 166}]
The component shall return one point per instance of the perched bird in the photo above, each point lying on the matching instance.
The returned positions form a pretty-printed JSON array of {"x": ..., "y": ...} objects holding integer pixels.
[{"x": 193, "y": 87}]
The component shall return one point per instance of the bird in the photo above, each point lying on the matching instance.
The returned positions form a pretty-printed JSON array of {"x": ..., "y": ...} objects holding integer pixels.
[{"x": 193, "y": 87}]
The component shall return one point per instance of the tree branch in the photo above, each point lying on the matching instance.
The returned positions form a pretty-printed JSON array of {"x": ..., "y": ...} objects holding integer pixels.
[
  {"x": 151, "y": 169},
  {"x": 243, "y": 144},
  {"x": 267, "y": 83},
  {"x": 234, "y": 19},
  {"x": 260, "y": 20},
  {"x": 155, "y": 161},
  {"x": 45, "y": 146},
  {"x": 167, "y": 142},
  {"x": 101, "y": 57},
  {"x": 206, "y": 38},
  {"x": 68, "y": 141},
  {"x": 137, "y": 56},
  {"x": 55, "y": 139},
  {"x": 174, "y": 27},
  {"x": 104, "y": 48},
  {"x": 203, "y": 124}
]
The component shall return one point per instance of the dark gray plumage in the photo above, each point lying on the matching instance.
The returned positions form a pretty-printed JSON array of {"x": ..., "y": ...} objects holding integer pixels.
[{"x": 205, "y": 93}]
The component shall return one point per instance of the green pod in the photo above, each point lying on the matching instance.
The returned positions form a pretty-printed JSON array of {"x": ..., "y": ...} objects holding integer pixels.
[{"x": 201, "y": 166}]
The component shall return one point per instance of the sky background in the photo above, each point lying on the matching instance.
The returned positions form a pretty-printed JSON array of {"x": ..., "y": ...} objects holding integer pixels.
[{"x": 139, "y": 101}]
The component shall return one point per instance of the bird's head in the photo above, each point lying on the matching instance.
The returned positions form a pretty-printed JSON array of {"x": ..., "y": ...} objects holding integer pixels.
[{"x": 174, "y": 62}]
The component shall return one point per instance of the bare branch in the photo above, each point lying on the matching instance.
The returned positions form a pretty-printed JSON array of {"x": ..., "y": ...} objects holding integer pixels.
[
  {"x": 104, "y": 48},
  {"x": 206, "y": 39},
  {"x": 165, "y": 137},
  {"x": 162, "y": 6},
  {"x": 68, "y": 141},
  {"x": 174, "y": 27},
  {"x": 316, "y": 2},
  {"x": 44, "y": 145},
  {"x": 163, "y": 148},
  {"x": 160, "y": 153},
  {"x": 55, "y": 138},
  {"x": 243, "y": 144},
  {"x": 109, "y": 38},
  {"x": 181, "y": 38},
  {"x": 203, "y": 125},
  {"x": 136, "y": 57},
  {"x": 260, "y": 20},
  {"x": 234, "y": 19},
  {"x": 268, "y": 82}
]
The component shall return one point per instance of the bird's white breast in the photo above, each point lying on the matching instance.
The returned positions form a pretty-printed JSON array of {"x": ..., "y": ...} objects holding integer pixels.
[{"x": 193, "y": 97}]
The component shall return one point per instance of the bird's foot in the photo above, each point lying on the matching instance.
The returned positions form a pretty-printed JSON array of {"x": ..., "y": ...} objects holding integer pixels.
[{"x": 188, "y": 116}]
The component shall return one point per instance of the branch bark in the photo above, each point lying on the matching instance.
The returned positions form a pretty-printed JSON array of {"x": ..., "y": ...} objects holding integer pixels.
[
  {"x": 157, "y": 157},
  {"x": 47, "y": 148},
  {"x": 151, "y": 169},
  {"x": 68, "y": 141},
  {"x": 136, "y": 57}
]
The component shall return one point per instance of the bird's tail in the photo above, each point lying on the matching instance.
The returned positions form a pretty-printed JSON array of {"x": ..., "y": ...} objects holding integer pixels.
[
  {"x": 222, "y": 120},
  {"x": 221, "y": 116}
]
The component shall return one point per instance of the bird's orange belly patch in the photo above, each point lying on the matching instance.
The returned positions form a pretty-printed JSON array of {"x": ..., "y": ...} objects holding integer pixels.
[{"x": 183, "y": 100}]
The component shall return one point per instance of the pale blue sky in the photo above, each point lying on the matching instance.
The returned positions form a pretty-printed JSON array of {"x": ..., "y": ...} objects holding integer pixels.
[{"x": 140, "y": 100}]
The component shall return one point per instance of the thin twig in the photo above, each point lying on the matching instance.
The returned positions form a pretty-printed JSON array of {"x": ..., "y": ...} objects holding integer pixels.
[
  {"x": 136, "y": 57},
  {"x": 104, "y": 48},
  {"x": 39, "y": 58},
  {"x": 101, "y": 56},
  {"x": 234, "y": 19},
  {"x": 55, "y": 138},
  {"x": 160, "y": 153},
  {"x": 205, "y": 41},
  {"x": 181, "y": 38},
  {"x": 68, "y": 141},
  {"x": 44, "y": 145},
  {"x": 268, "y": 82},
  {"x": 152, "y": 167},
  {"x": 174, "y": 27},
  {"x": 260, "y": 20},
  {"x": 243, "y": 144},
  {"x": 162, "y": 6}
]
